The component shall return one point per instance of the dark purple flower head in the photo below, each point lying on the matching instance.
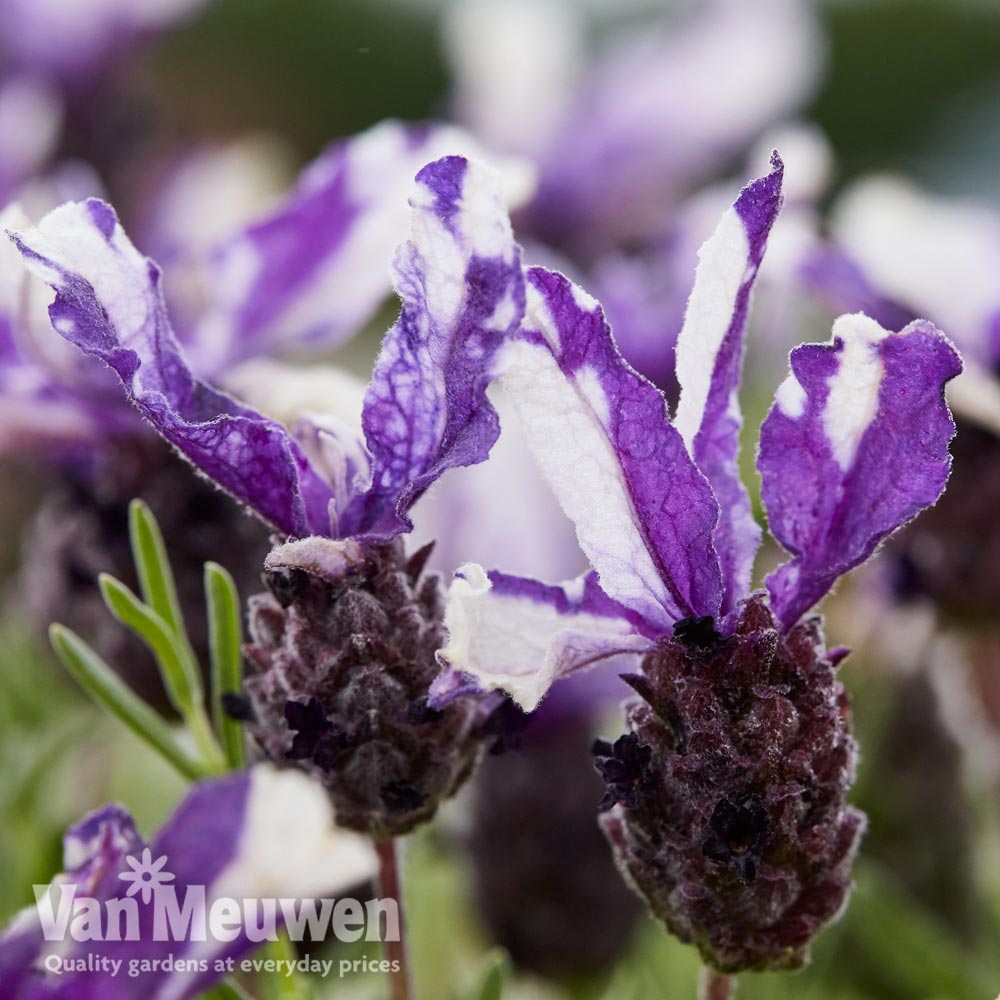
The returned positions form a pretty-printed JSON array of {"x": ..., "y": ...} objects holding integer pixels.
[
  {"x": 338, "y": 687},
  {"x": 741, "y": 841},
  {"x": 728, "y": 792}
]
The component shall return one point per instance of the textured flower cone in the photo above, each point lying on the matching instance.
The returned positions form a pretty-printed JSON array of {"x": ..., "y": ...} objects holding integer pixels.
[
  {"x": 340, "y": 690},
  {"x": 951, "y": 553},
  {"x": 82, "y": 531},
  {"x": 731, "y": 785},
  {"x": 545, "y": 881}
]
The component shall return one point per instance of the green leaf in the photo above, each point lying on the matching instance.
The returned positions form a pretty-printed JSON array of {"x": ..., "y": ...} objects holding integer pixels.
[
  {"x": 225, "y": 638},
  {"x": 177, "y": 666},
  {"x": 494, "y": 976},
  {"x": 106, "y": 688},
  {"x": 156, "y": 579}
]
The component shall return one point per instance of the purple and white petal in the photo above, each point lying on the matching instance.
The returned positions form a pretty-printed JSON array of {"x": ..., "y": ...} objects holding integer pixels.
[
  {"x": 462, "y": 287},
  {"x": 313, "y": 272},
  {"x": 256, "y": 834},
  {"x": 709, "y": 364},
  {"x": 644, "y": 514},
  {"x": 97, "y": 844},
  {"x": 520, "y": 636},
  {"x": 109, "y": 303},
  {"x": 855, "y": 445}
]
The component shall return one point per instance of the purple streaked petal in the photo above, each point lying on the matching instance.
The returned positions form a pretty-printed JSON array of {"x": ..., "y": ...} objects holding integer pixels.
[
  {"x": 109, "y": 303},
  {"x": 313, "y": 272},
  {"x": 643, "y": 512},
  {"x": 521, "y": 636},
  {"x": 98, "y": 843},
  {"x": 250, "y": 835},
  {"x": 709, "y": 363},
  {"x": 855, "y": 446},
  {"x": 462, "y": 287},
  {"x": 92, "y": 848}
]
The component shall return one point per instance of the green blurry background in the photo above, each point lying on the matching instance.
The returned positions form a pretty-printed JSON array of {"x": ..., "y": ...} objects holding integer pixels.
[{"x": 912, "y": 85}]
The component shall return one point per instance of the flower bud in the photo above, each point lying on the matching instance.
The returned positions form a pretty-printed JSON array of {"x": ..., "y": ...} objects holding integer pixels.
[
  {"x": 729, "y": 789},
  {"x": 342, "y": 666}
]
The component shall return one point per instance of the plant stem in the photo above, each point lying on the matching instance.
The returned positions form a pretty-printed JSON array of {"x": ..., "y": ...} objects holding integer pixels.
[
  {"x": 715, "y": 985},
  {"x": 390, "y": 887}
]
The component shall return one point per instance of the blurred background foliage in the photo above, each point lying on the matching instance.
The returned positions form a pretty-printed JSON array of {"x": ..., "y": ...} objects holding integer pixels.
[{"x": 911, "y": 85}]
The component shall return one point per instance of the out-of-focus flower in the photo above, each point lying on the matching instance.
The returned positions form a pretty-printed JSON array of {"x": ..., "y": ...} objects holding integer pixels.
[
  {"x": 56, "y": 56},
  {"x": 731, "y": 784},
  {"x": 344, "y": 644},
  {"x": 74, "y": 41},
  {"x": 257, "y": 834},
  {"x": 620, "y": 144},
  {"x": 545, "y": 881},
  {"x": 934, "y": 257}
]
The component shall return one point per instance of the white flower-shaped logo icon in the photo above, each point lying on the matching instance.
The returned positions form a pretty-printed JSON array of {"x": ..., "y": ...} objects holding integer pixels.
[{"x": 147, "y": 876}]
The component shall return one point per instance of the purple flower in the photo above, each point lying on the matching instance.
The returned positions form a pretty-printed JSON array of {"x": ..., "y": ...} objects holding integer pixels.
[
  {"x": 738, "y": 715},
  {"x": 253, "y": 835},
  {"x": 343, "y": 645},
  {"x": 855, "y": 445},
  {"x": 307, "y": 276},
  {"x": 302, "y": 278}
]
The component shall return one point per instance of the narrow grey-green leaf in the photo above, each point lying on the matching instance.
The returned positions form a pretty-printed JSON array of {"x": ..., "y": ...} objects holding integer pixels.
[
  {"x": 156, "y": 579},
  {"x": 177, "y": 667},
  {"x": 225, "y": 638},
  {"x": 108, "y": 690}
]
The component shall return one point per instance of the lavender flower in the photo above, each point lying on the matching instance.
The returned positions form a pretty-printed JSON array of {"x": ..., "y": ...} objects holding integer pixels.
[
  {"x": 302, "y": 278},
  {"x": 351, "y": 621},
  {"x": 253, "y": 834},
  {"x": 730, "y": 786}
]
